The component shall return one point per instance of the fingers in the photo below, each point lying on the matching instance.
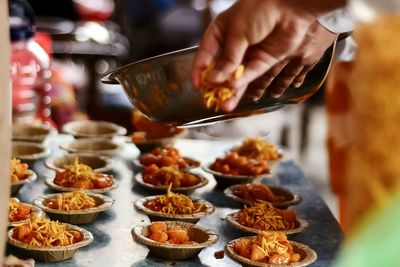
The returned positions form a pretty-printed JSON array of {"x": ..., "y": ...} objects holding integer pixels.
[
  {"x": 298, "y": 81},
  {"x": 231, "y": 104},
  {"x": 285, "y": 78},
  {"x": 231, "y": 55},
  {"x": 208, "y": 49},
  {"x": 257, "y": 88}
]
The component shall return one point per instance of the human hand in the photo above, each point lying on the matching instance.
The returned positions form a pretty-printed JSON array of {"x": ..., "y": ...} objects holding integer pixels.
[
  {"x": 259, "y": 33},
  {"x": 293, "y": 70}
]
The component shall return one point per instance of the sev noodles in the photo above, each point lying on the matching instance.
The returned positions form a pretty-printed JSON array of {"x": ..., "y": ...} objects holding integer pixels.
[
  {"x": 79, "y": 175},
  {"x": 215, "y": 94},
  {"x": 18, "y": 211},
  {"x": 257, "y": 148},
  {"x": 42, "y": 232},
  {"x": 174, "y": 203},
  {"x": 264, "y": 216},
  {"x": 76, "y": 200}
]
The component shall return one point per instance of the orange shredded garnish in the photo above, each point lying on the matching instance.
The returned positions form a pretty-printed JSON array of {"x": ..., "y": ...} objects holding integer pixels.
[
  {"x": 174, "y": 203},
  {"x": 216, "y": 94}
]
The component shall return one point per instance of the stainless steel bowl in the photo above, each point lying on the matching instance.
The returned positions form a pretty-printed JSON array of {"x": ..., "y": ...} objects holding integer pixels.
[{"x": 160, "y": 87}]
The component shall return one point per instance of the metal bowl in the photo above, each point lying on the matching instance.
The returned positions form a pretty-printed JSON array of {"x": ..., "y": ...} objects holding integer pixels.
[{"x": 160, "y": 87}]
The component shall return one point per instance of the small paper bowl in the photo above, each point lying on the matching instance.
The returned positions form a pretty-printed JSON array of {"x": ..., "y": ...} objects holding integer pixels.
[
  {"x": 94, "y": 146},
  {"x": 75, "y": 216},
  {"x": 32, "y": 133},
  {"x": 163, "y": 188},
  {"x": 192, "y": 163},
  {"x": 308, "y": 255},
  {"x": 34, "y": 209},
  {"x": 291, "y": 198},
  {"x": 90, "y": 129},
  {"x": 16, "y": 186},
  {"x": 28, "y": 151},
  {"x": 161, "y": 216},
  {"x": 50, "y": 183},
  {"x": 97, "y": 162},
  {"x": 148, "y": 145},
  {"x": 203, "y": 236},
  {"x": 52, "y": 254},
  {"x": 303, "y": 224},
  {"x": 225, "y": 180}
]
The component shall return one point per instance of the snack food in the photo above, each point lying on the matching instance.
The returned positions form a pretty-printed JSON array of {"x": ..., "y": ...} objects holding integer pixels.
[
  {"x": 257, "y": 148},
  {"x": 233, "y": 164},
  {"x": 75, "y": 200},
  {"x": 263, "y": 216},
  {"x": 256, "y": 192},
  {"x": 81, "y": 176},
  {"x": 215, "y": 94},
  {"x": 159, "y": 232},
  {"x": 271, "y": 248},
  {"x": 19, "y": 170},
  {"x": 175, "y": 203},
  {"x": 18, "y": 211},
  {"x": 170, "y": 175},
  {"x": 42, "y": 232},
  {"x": 167, "y": 156}
]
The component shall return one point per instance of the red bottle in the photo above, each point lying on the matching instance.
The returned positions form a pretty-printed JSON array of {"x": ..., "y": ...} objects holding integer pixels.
[{"x": 30, "y": 67}]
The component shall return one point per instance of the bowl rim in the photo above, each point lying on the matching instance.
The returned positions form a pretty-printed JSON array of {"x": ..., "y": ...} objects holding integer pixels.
[
  {"x": 44, "y": 150},
  {"x": 311, "y": 255},
  {"x": 137, "y": 232},
  {"x": 230, "y": 218},
  {"x": 139, "y": 204},
  {"x": 67, "y": 146},
  {"x": 87, "y": 239},
  {"x": 137, "y": 163},
  {"x": 207, "y": 169},
  {"x": 34, "y": 209},
  {"x": 49, "y": 162},
  {"x": 295, "y": 201},
  {"x": 32, "y": 177},
  {"x": 107, "y": 204},
  {"x": 69, "y": 128},
  {"x": 49, "y": 181},
  {"x": 203, "y": 182},
  {"x": 50, "y": 131}
]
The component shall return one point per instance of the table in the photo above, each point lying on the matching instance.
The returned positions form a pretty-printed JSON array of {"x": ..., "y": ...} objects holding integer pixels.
[{"x": 114, "y": 246}]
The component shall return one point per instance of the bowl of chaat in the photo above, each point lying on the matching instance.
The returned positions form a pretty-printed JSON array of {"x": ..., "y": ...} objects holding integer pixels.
[
  {"x": 172, "y": 177},
  {"x": 48, "y": 241},
  {"x": 164, "y": 157},
  {"x": 263, "y": 216},
  {"x": 79, "y": 176},
  {"x": 234, "y": 169},
  {"x": 174, "y": 240},
  {"x": 278, "y": 196},
  {"x": 174, "y": 207},
  {"x": 269, "y": 249},
  {"x": 76, "y": 207}
]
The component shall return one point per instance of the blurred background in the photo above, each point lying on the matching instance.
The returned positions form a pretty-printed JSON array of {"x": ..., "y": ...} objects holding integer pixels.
[{"x": 61, "y": 48}]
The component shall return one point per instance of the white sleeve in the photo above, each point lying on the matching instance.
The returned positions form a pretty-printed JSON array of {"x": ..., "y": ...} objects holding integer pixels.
[{"x": 338, "y": 21}]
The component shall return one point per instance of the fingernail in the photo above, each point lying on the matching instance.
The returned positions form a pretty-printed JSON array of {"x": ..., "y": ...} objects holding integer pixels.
[
  {"x": 297, "y": 85},
  {"x": 275, "y": 95}
]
